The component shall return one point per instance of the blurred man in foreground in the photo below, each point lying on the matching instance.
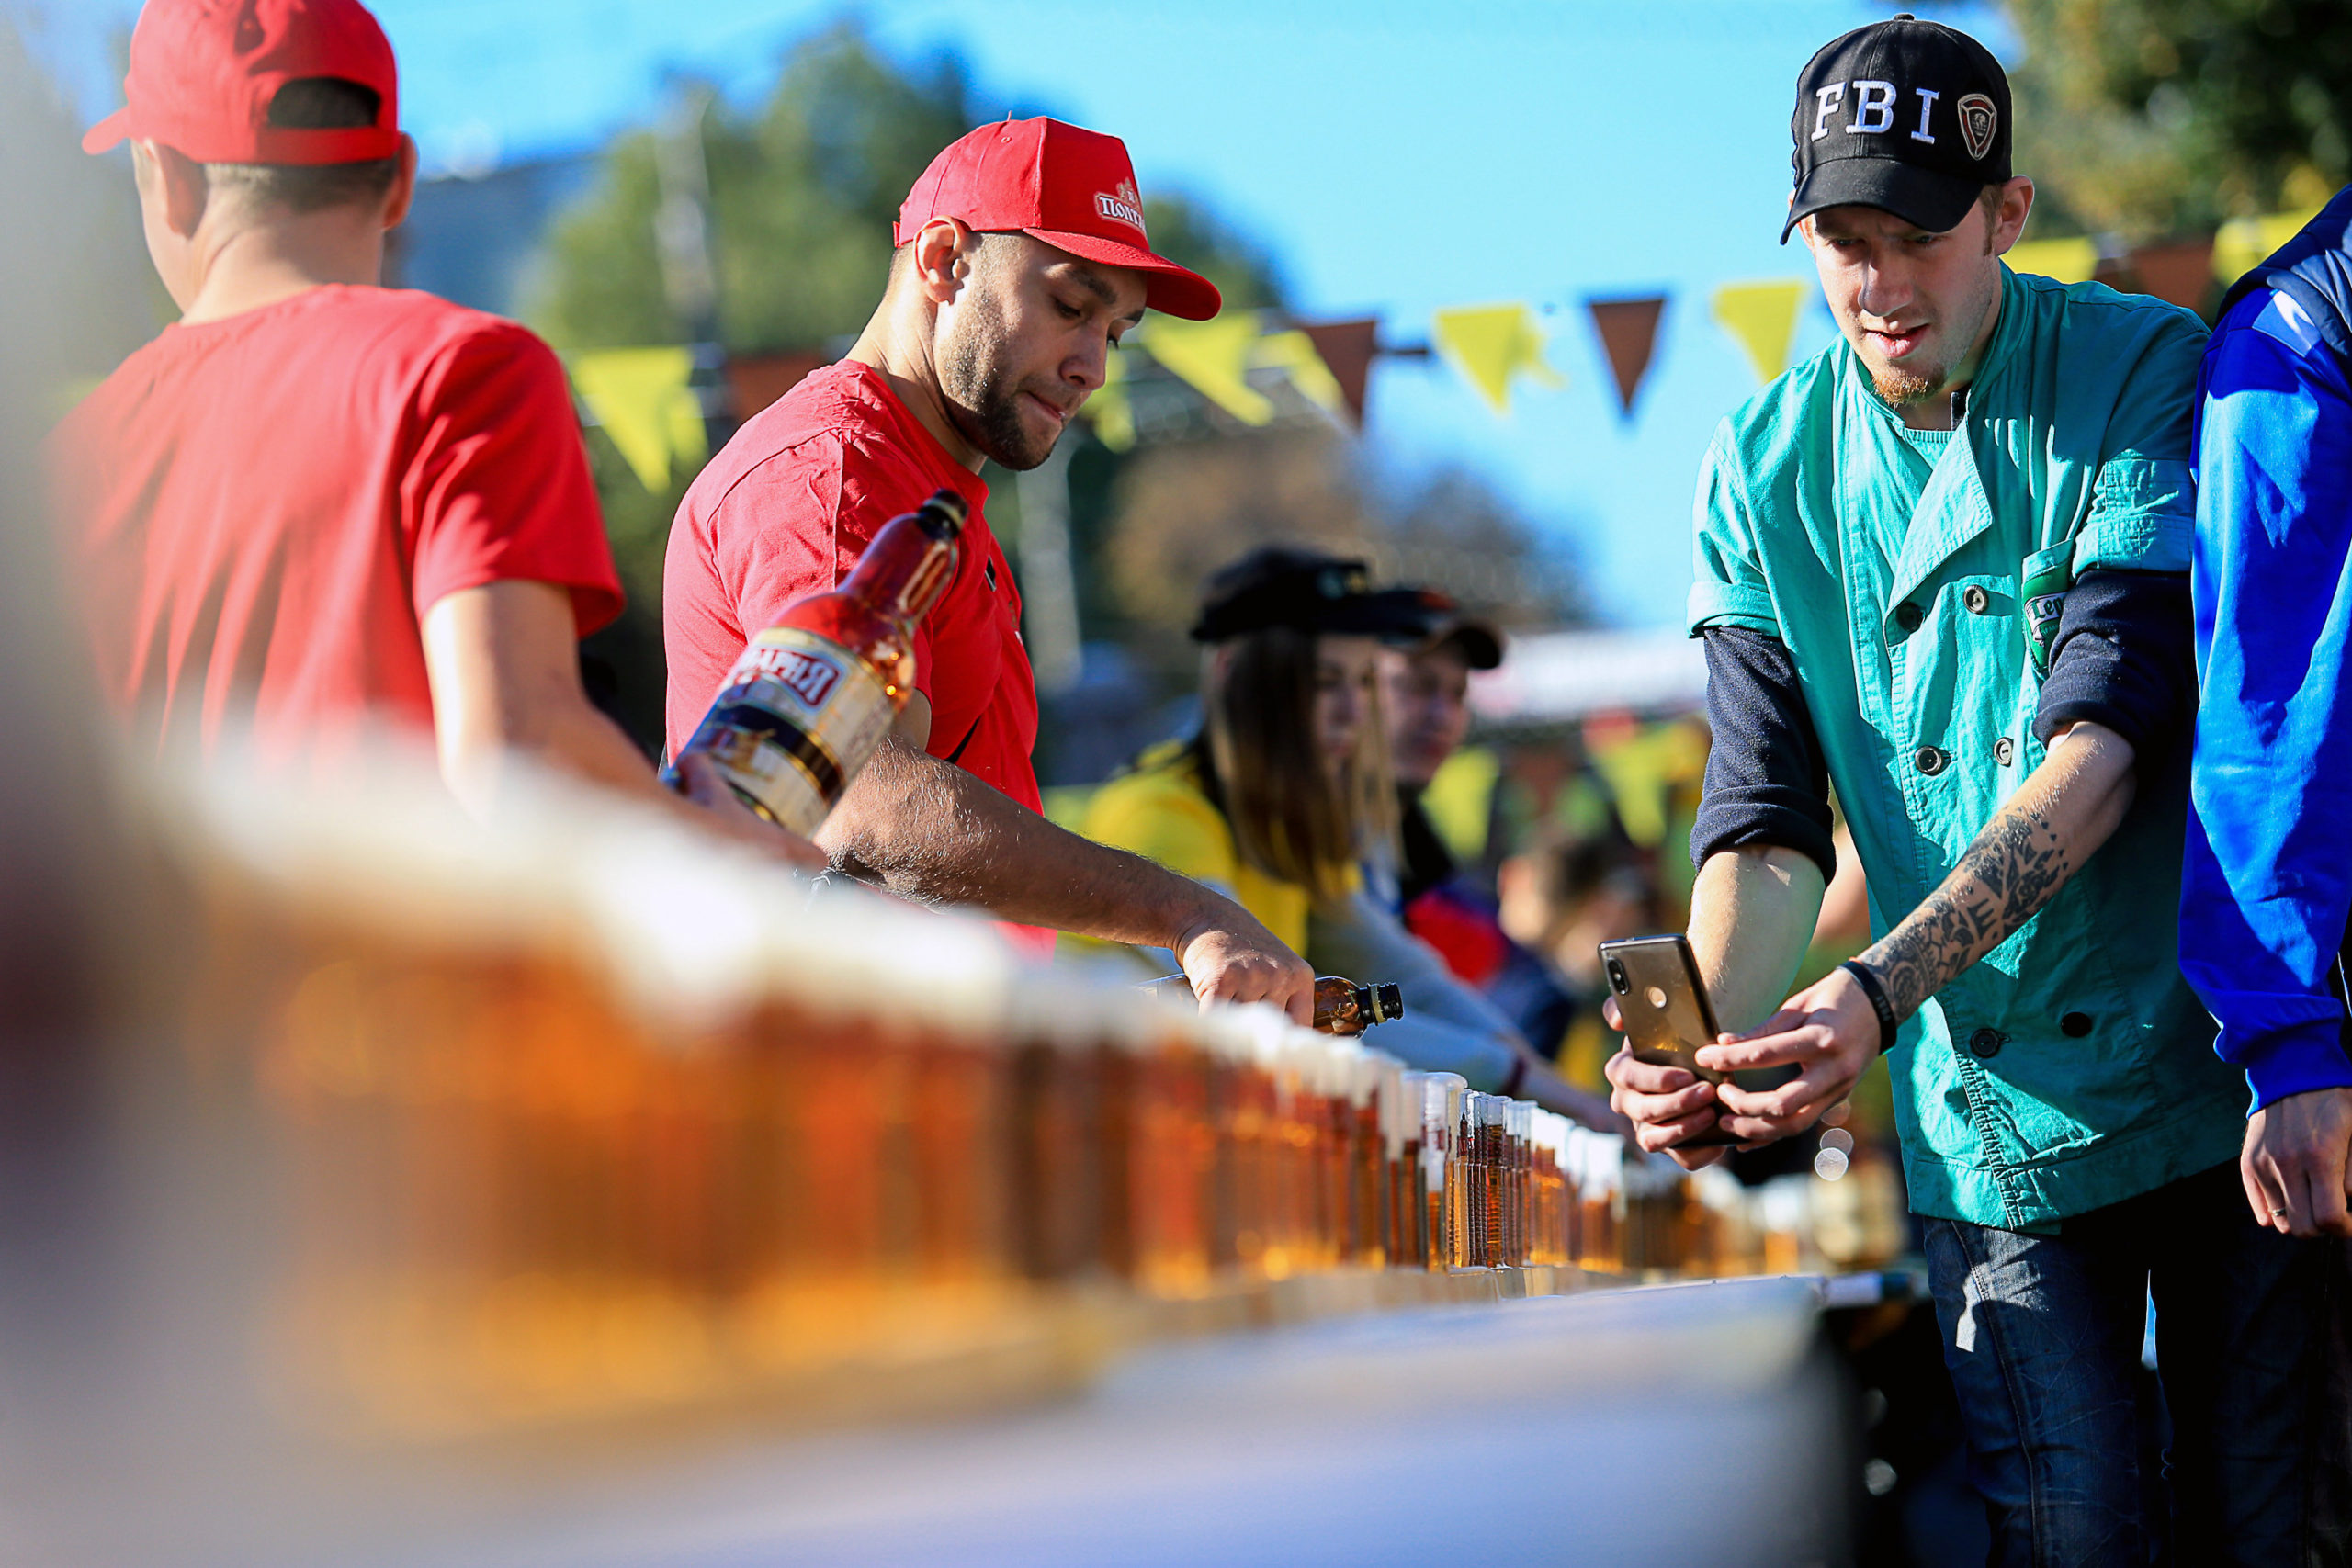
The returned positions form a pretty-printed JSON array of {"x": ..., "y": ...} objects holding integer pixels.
[
  {"x": 314, "y": 503},
  {"x": 1943, "y": 566},
  {"x": 2268, "y": 888},
  {"x": 1020, "y": 261}
]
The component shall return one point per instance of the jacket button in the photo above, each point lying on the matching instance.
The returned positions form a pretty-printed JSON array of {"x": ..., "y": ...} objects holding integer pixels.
[
  {"x": 1984, "y": 1045},
  {"x": 1929, "y": 761},
  {"x": 1908, "y": 616},
  {"x": 2004, "y": 750},
  {"x": 2074, "y": 1025},
  {"x": 1976, "y": 599}
]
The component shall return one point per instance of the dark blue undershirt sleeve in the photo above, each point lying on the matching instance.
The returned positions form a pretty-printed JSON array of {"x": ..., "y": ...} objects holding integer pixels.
[
  {"x": 1767, "y": 781},
  {"x": 2126, "y": 658}
]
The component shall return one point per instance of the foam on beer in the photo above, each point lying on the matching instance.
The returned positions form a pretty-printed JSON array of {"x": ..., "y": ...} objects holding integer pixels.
[{"x": 690, "y": 929}]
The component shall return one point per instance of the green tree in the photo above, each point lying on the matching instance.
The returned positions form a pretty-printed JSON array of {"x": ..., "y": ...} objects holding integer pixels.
[
  {"x": 803, "y": 194},
  {"x": 2148, "y": 118},
  {"x": 803, "y": 191}
]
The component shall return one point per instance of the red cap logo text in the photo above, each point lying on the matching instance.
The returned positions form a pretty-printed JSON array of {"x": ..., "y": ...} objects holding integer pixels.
[{"x": 1126, "y": 207}]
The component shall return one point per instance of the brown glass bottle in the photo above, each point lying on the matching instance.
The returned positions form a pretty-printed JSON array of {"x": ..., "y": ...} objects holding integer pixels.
[
  {"x": 813, "y": 695},
  {"x": 1342, "y": 1007}
]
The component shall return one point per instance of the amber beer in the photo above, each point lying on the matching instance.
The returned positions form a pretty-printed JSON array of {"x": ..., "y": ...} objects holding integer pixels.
[
  {"x": 1341, "y": 1006},
  {"x": 1344, "y": 1007},
  {"x": 812, "y": 695}
]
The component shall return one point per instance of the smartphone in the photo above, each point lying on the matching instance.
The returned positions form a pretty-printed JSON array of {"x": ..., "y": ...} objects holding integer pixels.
[{"x": 1665, "y": 1008}]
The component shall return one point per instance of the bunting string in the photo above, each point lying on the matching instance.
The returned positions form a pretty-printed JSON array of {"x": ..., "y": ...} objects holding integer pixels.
[{"x": 644, "y": 400}]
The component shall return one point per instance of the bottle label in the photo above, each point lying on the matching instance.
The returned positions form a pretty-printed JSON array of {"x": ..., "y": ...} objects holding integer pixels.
[{"x": 797, "y": 719}]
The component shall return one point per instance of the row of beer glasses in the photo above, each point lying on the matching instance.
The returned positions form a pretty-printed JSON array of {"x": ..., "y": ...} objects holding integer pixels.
[{"x": 562, "y": 1152}]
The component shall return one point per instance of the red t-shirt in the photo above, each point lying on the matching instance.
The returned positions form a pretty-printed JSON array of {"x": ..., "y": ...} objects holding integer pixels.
[
  {"x": 260, "y": 509},
  {"x": 787, "y": 510}
]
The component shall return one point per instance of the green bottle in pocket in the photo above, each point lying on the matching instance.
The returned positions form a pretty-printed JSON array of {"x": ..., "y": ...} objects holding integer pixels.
[{"x": 2047, "y": 576}]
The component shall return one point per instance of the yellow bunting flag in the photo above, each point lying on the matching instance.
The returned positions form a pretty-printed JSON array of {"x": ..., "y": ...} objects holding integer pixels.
[
  {"x": 1490, "y": 345},
  {"x": 2243, "y": 243},
  {"x": 1212, "y": 358},
  {"x": 2071, "y": 260},
  {"x": 641, "y": 398},
  {"x": 1763, "y": 318},
  {"x": 1295, "y": 354},
  {"x": 1109, "y": 411}
]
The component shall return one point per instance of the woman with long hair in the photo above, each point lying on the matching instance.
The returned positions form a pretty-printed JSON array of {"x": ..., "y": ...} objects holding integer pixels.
[{"x": 1285, "y": 800}]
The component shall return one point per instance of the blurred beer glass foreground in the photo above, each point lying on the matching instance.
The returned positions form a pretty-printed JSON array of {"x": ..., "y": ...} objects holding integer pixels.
[
  {"x": 334, "y": 1122},
  {"x": 573, "y": 1113}
]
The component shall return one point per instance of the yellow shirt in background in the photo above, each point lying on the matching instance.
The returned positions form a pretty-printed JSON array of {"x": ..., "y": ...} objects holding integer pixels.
[{"x": 1161, "y": 812}]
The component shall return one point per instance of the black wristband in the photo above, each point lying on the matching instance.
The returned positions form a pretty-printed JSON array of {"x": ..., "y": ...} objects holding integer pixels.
[{"x": 1887, "y": 1022}]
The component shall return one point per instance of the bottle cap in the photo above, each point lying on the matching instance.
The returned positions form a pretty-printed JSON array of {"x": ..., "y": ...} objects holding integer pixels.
[{"x": 944, "y": 513}]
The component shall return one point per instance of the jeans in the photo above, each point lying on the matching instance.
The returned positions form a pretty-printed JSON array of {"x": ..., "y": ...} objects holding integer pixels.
[{"x": 2043, "y": 1333}]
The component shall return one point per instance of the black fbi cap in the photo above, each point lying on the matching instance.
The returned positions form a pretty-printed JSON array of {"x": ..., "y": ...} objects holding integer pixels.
[
  {"x": 1909, "y": 116},
  {"x": 1285, "y": 585}
]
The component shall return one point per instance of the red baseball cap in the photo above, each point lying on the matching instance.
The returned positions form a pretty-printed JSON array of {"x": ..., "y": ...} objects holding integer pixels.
[
  {"x": 1075, "y": 189},
  {"x": 204, "y": 73}
]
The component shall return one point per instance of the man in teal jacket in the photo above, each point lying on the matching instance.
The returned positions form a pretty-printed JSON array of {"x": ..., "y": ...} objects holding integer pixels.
[{"x": 1941, "y": 568}]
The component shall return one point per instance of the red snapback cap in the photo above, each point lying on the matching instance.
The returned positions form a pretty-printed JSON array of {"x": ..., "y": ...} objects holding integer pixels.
[
  {"x": 204, "y": 73},
  {"x": 1073, "y": 189}
]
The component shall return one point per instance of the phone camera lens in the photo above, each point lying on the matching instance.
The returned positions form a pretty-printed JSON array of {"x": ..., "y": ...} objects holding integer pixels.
[{"x": 1617, "y": 977}]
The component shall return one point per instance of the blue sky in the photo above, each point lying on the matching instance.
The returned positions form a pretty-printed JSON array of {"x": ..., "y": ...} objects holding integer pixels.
[{"x": 1396, "y": 158}]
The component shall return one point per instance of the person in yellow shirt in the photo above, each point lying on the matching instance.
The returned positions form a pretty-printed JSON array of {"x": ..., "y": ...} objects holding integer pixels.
[{"x": 1283, "y": 801}]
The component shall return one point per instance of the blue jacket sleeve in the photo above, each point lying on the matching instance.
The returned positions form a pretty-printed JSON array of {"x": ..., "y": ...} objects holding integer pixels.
[{"x": 2268, "y": 882}]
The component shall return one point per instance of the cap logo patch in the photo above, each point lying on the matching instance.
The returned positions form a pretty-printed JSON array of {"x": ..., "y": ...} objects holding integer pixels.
[
  {"x": 1979, "y": 120},
  {"x": 1126, "y": 206}
]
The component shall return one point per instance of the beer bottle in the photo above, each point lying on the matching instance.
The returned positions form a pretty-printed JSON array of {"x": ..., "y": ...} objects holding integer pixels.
[
  {"x": 812, "y": 695},
  {"x": 1342, "y": 1007}
]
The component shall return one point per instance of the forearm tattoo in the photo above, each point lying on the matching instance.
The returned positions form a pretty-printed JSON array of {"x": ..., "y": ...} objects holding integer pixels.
[{"x": 2016, "y": 864}]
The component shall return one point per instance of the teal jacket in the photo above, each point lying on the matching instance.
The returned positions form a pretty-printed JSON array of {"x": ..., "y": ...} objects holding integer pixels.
[{"x": 1907, "y": 572}]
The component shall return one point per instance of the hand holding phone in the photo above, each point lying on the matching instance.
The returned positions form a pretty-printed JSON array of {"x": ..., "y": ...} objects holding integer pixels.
[{"x": 1665, "y": 1008}]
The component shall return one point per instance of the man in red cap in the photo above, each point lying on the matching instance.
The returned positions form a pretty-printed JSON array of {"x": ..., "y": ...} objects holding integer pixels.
[
  {"x": 314, "y": 503},
  {"x": 1020, "y": 260}
]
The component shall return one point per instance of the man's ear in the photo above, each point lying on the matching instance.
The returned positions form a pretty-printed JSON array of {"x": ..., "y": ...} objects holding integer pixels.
[
  {"x": 2017, "y": 206},
  {"x": 178, "y": 182},
  {"x": 403, "y": 191},
  {"x": 1801, "y": 230},
  {"x": 943, "y": 259}
]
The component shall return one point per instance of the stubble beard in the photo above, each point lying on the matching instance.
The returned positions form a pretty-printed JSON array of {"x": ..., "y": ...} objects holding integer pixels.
[
  {"x": 1907, "y": 389},
  {"x": 1902, "y": 388},
  {"x": 987, "y": 410}
]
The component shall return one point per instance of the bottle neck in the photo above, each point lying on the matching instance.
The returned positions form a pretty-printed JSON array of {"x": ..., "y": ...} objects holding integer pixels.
[{"x": 905, "y": 569}]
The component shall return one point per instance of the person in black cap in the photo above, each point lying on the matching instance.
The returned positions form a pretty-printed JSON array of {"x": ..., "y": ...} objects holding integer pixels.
[
  {"x": 1426, "y": 691},
  {"x": 1942, "y": 569},
  {"x": 1284, "y": 797},
  {"x": 1426, "y": 687}
]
